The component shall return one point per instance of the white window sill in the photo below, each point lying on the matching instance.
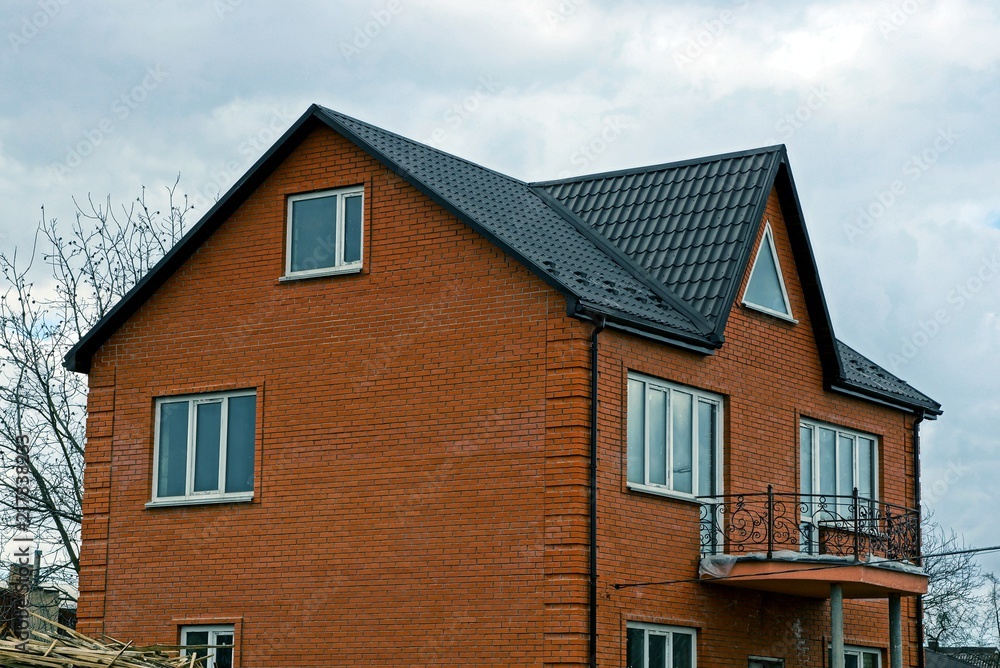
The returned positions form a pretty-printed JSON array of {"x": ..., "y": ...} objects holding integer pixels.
[
  {"x": 201, "y": 500},
  {"x": 663, "y": 491},
  {"x": 775, "y": 314},
  {"x": 319, "y": 273}
]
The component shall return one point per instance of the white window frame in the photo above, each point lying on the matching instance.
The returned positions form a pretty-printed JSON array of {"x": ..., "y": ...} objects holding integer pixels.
[
  {"x": 859, "y": 651},
  {"x": 663, "y": 630},
  {"x": 855, "y": 436},
  {"x": 767, "y": 241},
  {"x": 338, "y": 266},
  {"x": 190, "y": 496},
  {"x": 697, "y": 396},
  {"x": 213, "y": 630}
]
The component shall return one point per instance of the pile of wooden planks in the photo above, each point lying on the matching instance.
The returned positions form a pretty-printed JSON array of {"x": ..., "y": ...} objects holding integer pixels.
[{"x": 70, "y": 649}]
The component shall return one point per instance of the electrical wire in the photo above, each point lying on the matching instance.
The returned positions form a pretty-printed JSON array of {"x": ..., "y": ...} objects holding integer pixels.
[{"x": 977, "y": 550}]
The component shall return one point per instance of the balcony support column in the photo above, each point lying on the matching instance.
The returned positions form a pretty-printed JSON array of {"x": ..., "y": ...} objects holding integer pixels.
[
  {"x": 836, "y": 626},
  {"x": 895, "y": 632}
]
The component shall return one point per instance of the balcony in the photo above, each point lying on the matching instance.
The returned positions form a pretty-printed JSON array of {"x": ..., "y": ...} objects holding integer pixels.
[{"x": 800, "y": 544}]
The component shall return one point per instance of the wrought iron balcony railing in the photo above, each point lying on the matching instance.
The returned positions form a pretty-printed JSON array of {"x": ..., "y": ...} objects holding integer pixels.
[{"x": 846, "y": 526}]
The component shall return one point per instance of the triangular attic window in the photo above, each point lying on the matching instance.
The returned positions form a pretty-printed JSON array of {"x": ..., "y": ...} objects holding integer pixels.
[{"x": 766, "y": 289}]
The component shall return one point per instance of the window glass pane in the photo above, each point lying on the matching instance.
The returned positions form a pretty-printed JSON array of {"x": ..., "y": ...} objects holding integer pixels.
[
  {"x": 314, "y": 233},
  {"x": 636, "y": 432},
  {"x": 223, "y": 657},
  {"x": 172, "y": 464},
  {"x": 657, "y": 436},
  {"x": 197, "y": 638},
  {"x": 866, "y": 468},
  {"x": 657, "y": 651},
  {"x": 240, "y": 444},
  {"x": 870, "y": 659},
  {"x": 827, "y": 461},
  {"x": 352, "y": 228},
  {"x": 845, "y": 466},
  {"x": 764, "y": 288},
  {"x": 206, "y": 454},
  {"x": 706, "y": 448},
  {"x": 681, "y": 405},
  {"x": 635, "y": 649},
  {"x": 850, "y": 660},
  {"x": 683, "y": 650},
  {"x": 805, "y": 459}
]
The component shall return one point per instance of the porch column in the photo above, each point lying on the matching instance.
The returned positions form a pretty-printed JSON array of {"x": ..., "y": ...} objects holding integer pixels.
[
  {"x": 895, "y": 632},
  {"x": 837, "y": 626}
]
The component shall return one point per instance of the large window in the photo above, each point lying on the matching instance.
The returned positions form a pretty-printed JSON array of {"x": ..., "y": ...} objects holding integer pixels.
[
  {"x": 204, "y": 448},
  {"x": 835, "y": 460},
  {"x": 214, "y": 644},
  {"x": 674, "y": 441},
  {"x": 655, "y": 646},
  {"x": 324, "y": 233}
]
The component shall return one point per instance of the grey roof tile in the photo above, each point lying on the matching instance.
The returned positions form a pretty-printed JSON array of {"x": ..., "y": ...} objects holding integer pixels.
[{"x": 863, "y": 374}]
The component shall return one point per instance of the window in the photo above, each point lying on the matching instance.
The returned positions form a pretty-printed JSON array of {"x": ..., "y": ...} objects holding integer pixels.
[
  {"x": 836, "y": 460},
  {"x": 766, "y": 288},
  {"x": 674, "y": 442},
  {"x": 859, "y": 657},
  {"x": 765, "y": 662},
  {"x": 214, "y": 642},
  {"x": 204, "y": 449},
  {"x": 654, "y": 646},
  {"x": 324, "y": 233}
]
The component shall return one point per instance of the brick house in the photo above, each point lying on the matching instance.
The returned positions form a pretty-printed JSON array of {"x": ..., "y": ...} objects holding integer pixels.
[{"x": 384, "y": 406}]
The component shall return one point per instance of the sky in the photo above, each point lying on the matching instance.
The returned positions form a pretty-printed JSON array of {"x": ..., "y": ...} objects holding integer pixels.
[{"x": 889, "y": 111}]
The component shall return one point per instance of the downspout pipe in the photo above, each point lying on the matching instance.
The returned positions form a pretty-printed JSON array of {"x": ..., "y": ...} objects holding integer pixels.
[
  {"x": 920, "y": 537},
  {"x": 599, "y": 323}
]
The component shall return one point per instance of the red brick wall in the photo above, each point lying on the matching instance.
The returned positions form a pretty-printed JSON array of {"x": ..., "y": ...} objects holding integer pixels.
[
  {"x": 423, "y": 427},
  {"x": 769, "y": 375},
  {"x": 401, "y": 514}
]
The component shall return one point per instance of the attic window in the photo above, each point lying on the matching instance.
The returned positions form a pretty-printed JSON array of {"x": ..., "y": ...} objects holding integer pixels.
[
  {"x": 324, "y": 233},
  {"x": 766, "y": 288}
]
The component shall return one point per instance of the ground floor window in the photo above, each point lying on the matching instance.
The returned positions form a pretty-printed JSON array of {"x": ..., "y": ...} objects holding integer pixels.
[
  {"x": 213, "y": 643},
  {"x": 656, "y": 646},
  {"x": 765, "y": 662},
  {"x": 860, "y": 657}
]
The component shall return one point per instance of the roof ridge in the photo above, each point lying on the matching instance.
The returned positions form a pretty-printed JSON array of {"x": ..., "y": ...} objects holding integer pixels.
[
  {"x": 414, "y": 142},
  {"x": 774, "y": 148},
  {"x": 635, "y": 269}
]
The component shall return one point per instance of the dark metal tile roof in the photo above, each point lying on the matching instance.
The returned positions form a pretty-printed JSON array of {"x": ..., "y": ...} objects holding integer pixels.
[
  {"x": 862, "y": 374},
  {"x": 510, "y": 213},
  {"x": 656, "y": 250},
  {"x": 686, "y": 223}
]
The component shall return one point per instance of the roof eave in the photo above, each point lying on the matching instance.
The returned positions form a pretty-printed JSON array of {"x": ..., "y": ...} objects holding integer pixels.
[
  {"x": 931, "y": 412},
  {"x": 78, "y": 358},
  {"x": 643, "y": 328}
]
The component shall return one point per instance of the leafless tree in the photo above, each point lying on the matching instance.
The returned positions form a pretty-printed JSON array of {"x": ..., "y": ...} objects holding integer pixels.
[
  {"x": 956, "y": 601},
  {"x": 50, "y": 296}
]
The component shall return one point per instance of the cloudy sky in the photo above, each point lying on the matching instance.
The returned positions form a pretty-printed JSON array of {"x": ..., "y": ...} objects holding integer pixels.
[{"x": 889, "y": 111}]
